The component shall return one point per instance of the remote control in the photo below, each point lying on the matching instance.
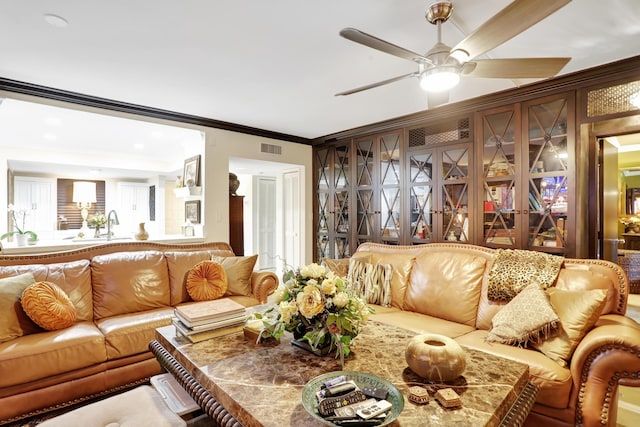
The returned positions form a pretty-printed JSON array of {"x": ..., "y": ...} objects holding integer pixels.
[
  {"x": 377, "y": 393},
  {"x": 327, "y": 406},
  {"x": 357, "y": 422},
  {"x": 340, "y": 389},
  {"x": 377, "y": 408},
  {"x": 349, "y": 411}
]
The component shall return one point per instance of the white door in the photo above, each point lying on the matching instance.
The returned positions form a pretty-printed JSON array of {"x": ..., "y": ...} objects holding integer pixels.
[
  {"x": 291, "y": 217},
  {"x": 265, "y": 222}
]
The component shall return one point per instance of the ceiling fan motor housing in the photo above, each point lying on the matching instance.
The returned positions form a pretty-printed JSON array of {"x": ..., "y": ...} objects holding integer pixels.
[{"x": 439, "y": 12}]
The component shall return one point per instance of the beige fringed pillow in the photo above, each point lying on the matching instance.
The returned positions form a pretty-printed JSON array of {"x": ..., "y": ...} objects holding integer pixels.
[
  {"x": 48, "y": 306},
  {"x": 578, "y": 312},
  {"x": 207, "y": 280},
  {"x": 527, "y": 317}
]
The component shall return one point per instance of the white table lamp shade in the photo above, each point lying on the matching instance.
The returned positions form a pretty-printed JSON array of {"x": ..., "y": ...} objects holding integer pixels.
[{"x": 84, "y": 192}]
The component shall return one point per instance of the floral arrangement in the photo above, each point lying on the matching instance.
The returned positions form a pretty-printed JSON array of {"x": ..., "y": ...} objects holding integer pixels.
[
  {"x": 19, "y": 217},
  {"x": 98, "y": 220},
  {"x": 319, "y": 308}
]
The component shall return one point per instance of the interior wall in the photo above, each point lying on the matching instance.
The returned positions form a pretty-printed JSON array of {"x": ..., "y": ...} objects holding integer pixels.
[{"x": 219, "y": 146}]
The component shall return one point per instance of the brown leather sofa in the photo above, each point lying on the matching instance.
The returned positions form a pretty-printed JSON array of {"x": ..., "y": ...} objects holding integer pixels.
[
  {"x": 442, "y": 288},
  {"x": 122, "y": 292}
]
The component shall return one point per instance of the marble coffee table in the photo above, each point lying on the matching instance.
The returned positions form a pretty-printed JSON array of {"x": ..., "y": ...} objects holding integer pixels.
[{"x": 240, "y": 383}]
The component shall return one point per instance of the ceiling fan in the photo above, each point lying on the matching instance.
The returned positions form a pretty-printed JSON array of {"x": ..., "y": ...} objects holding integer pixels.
[{"x": 441, "y": 67}]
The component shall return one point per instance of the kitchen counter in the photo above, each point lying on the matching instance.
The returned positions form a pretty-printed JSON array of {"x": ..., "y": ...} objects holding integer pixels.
[{"x": 44, "y": 246}]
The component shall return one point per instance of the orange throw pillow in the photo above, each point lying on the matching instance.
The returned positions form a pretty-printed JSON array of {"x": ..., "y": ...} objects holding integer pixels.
[
  {"x": 206, "y": 280},
  {"x": 48, "y": 306}
]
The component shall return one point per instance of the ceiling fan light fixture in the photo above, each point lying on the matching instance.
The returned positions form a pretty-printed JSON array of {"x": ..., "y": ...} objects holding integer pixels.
[
  {"x": 460, "y": 55},
  {"x": 439, "y": 79}
]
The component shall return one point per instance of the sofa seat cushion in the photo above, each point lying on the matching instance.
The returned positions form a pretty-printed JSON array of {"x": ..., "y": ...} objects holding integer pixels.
[
  {"x": 247, "y": 301},
  {"x": 554, "y": 381},
  {"x": 129, "y": 334},
  {"x": 420, "y": 323},
  {"x": 37, "y": 356}
]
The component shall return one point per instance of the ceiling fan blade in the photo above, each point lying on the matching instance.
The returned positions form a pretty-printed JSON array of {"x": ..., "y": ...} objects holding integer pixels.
[
  {"x": 437, "y": 98},
  {"x": 372, "y": 85},
  {"x": 381, "y": 45},
  {"x": 509, "y": 22},
  {"x": 515, "y": 68}
]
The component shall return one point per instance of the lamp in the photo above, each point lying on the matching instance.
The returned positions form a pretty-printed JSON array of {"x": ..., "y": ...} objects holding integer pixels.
[
  {"x": 440, "y": 78},
  {"x": 84, "y": 193}
]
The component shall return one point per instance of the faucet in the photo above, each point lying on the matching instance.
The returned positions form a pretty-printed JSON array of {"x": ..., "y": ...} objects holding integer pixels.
[{"x": 115, "y": 222}]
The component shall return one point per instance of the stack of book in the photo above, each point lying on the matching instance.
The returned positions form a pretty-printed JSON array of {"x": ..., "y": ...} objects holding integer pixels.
[{"x": 209, "y": 319}]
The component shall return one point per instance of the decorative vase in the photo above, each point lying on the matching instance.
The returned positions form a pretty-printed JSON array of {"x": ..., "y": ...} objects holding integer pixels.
[
  {"x": 21, "y": 239},
  {"x": 320, "y": 351},
  {"x": 96, "y": 235},
  {"x": 142, "y": 233},
  {"x": 234, "y": 183},
  {"x": 435, "y": 357}
]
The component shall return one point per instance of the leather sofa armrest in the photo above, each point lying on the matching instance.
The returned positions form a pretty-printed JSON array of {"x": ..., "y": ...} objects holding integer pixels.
[
  {"x": 607, "y": 356},
  {"x": 263, "y": 284}
]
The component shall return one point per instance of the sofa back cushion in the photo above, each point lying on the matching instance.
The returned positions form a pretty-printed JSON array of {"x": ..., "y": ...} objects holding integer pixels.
[
  {"x": 128, "y": 282},
  {"x": 73, "y": 277},
  {"x": 446, "y": 284},
  {"x": 179, "y": 264}
]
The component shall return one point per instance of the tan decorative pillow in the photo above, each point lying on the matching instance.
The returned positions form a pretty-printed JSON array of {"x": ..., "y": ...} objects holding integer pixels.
[
  {"x": 239, "y": 270},
  {"x": 372, "y": 281},
  {"x": 578, "y": 312},
  {"x": 527, "y": 317},
  {"x": 339, "y": 267},
  {"x": 206, "y": 280},
  {"x": 49, "y": 306},
  {"x": 14, "y": 322}
]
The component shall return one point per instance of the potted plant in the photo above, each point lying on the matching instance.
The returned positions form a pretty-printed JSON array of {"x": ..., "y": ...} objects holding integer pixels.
[
  {"x": 98, "y": 221},
  {"x": 19, "y": 217}
]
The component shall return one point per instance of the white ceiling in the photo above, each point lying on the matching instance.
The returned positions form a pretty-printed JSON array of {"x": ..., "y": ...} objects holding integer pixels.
[
  {"x": 276, "y": 65},
  {"x": 272, "y": 65}
]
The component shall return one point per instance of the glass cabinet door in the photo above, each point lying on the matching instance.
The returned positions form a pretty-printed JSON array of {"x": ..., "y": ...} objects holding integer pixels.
[
  {"x": 333, "y": 179},
  {"x": 342, "y": 177},
  {"x": 500, "y": 158},
  {"x": 364, "y": 191},
  {"x": 548, "y": 170},
  {"x": 390, "y": 188},
  {"x": 323, "y": 176},
  {"x": 455, "y": 193},
  {"x": 421, "y": 196}
]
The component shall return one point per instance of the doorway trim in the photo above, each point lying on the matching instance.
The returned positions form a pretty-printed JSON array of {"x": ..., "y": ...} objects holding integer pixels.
[{"x": 589, "y": 179}]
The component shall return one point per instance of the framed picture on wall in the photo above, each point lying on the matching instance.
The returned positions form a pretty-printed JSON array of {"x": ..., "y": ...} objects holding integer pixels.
[
  {"x": 191, "y": 173},
  {"x": 192, "y": 211}
]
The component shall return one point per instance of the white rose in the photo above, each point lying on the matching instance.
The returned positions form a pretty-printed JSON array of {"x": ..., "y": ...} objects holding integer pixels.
[
  {"x": 313, "y": 271},
  {"x": 310, "y": 301},
  {"x": 287, "y": 310},
  {"x": 278, "y": 295},
  {"x": 341, "y": 299},
  {"x": 329, "y": 286}
]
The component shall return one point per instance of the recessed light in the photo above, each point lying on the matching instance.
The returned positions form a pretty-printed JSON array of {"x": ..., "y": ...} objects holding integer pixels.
[
  {"x": 49, "y": 136},
  {"x": 55, "y": 20}
]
